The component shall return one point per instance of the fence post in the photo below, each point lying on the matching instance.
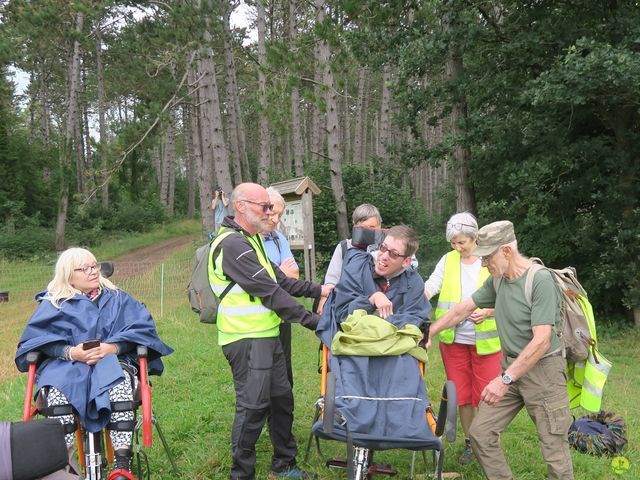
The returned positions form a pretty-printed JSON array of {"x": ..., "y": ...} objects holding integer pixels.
[{"x": 161, "y": 289}]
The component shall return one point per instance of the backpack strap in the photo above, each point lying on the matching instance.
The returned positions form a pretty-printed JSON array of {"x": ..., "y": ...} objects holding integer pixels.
[
  {"x": 276, "y": 240},
  {"x": 344, "y": 246},
  {"x": 216, "y": 249},
  {"x": 531, "y": 273},
  {"x": 528, "y": 282}
]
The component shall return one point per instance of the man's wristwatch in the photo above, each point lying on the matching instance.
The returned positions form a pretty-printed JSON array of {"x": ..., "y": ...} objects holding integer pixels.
[{"x": 506, "y": 379}]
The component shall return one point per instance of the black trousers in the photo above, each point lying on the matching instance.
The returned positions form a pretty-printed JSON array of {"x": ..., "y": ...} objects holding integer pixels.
[
  {"x": 285, "y": 340},
  {"x": 262, "y": 389}
]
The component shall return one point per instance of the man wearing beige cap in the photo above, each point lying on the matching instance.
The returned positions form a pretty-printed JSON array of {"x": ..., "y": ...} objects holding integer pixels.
[{"x": 533, "y": 374}]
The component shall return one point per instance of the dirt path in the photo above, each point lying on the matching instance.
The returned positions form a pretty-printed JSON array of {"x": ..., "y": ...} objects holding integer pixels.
[{"x": 141, "y": 259}]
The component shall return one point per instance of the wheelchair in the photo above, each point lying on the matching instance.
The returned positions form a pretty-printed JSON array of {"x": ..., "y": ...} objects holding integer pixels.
[
  {"x": 329, "y": 424},
  {"x": 95, "y": 453}
]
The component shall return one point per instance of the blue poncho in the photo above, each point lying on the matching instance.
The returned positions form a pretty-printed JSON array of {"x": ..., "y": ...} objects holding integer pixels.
[
  {"x": 115, "y": 317},
  {"x": 382, "y": 398}
]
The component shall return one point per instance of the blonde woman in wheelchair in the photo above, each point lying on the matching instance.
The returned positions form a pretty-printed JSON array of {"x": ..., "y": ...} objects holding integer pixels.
[{"x": 87, "y": 331}]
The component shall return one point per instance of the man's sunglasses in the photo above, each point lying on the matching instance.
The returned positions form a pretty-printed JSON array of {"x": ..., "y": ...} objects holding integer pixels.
[
  {"x": 392, "y": 253},
  {"x": 266, "y": 207}
]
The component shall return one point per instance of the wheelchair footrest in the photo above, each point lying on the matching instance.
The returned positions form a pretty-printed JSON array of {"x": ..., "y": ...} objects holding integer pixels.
[{"x": 374, "y": 469}]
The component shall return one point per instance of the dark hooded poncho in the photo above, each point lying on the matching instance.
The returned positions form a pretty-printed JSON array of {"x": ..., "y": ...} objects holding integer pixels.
[
  {"x": 382, "y": 398},
  {"x": 114, "y": 317}
]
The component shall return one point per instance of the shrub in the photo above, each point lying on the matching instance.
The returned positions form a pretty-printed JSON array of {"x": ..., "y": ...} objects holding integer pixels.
[
  {"x": 138, "y": 217},
  {"x": 25, "y": 243}
]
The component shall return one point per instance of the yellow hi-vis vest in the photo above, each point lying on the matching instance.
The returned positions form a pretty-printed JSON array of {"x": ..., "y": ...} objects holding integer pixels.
[
  {"x": 586, "y": 379},
  {"x": 241, "y": 315},
  {"x": 487, "y": 340}
]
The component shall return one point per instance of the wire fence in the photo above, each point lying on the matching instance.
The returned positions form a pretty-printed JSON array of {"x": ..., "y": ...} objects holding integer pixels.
[{"x": 160, "y": 286}]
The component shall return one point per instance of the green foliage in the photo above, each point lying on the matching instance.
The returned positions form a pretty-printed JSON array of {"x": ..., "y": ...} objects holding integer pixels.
[
  {"x": 28, "y": 242},
  {"x": 553, "y": 125}
]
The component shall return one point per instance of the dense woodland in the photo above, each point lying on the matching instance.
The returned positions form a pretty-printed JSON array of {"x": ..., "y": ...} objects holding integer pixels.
[{"x": 524, "y": 110}]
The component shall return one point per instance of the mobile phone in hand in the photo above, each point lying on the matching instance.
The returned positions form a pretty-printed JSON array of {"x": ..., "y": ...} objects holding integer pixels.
[{"x": 89, "y": 344}]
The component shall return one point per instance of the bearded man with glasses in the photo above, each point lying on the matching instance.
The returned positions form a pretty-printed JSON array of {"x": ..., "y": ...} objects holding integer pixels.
[{"x": 258, "y": 296}]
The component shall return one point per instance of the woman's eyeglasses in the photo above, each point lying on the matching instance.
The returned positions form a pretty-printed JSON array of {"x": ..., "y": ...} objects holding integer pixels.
[
  {"x": 392, "y": 253},
  {"x": 458, "y": 226},
  {"x": 88, "y": 269},
  {"x": 266, "y": 207}
]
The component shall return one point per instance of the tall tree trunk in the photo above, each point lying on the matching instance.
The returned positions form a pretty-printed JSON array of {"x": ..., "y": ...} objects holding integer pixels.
[
  {"x": 43, "y": 101},
  {"x": 346, "y": 122},
  {"x": 366, "y": 149},
  {"x": 170, "y": 164},
  {"x": 264, "y": 160},
  {"x": 156, "y": 160},
  {"x": 384, "y": 136},
  {"x": 73, "y": 117},
  {"x": 79, "y": 155},
  {"x": 190, "y": 170},
  {"x": 318, "y": 131},
  {"x": 214, "y": 157},
  {"x": 104, "y": 176},
  {"x": 205, "y": 203},
  {"x": 465, "y": 197},
  {"x": 242, "y": 137},
  {"x": 296, "y": 119},
  {"x": 233, "y": 115},
  {"x": 358, "y": 140},
  {"x": 333, "y": 129}
]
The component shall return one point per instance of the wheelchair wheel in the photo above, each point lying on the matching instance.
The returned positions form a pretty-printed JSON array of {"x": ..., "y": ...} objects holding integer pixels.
[{"x": 329, "y": 403}]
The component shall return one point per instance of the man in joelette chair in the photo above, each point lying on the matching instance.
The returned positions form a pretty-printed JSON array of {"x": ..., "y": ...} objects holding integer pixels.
[{"x": 372, "y": 323}]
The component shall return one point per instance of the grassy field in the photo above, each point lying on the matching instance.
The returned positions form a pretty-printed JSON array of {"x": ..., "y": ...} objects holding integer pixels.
[{"x": 194, "y": 399}]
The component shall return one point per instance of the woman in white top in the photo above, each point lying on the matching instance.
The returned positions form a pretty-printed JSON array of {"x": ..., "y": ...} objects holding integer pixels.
[{"x": 470, "y": 351}]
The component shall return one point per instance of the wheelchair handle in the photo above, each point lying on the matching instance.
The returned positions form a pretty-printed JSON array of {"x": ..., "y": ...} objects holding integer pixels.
[
  {"x": 32, "y": 359},
  {"x": 142, "y": 351}
]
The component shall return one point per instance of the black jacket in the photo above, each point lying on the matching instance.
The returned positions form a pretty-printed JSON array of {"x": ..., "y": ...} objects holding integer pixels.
[{"x": 240, "y": 264}]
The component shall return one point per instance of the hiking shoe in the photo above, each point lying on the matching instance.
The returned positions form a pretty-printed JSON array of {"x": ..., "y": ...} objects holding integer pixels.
[
  {"x": 293, "y": 472},
  {"x": 467, "y": 454},
  {"x": 121, "y": 465}
]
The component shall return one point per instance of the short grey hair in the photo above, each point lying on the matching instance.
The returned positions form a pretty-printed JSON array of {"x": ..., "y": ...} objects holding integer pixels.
[
  {"x": 364, "y": 212},
  {"x": 462, "y": 223},
  {"x": 275, "y": 196}
]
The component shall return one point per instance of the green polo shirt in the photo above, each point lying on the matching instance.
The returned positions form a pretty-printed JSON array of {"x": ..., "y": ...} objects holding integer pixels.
[{"x": 514, "y": 317}]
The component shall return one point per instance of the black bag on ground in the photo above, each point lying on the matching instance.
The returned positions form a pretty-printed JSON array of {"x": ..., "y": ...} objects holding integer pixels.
[{"x": 32, "y": 449}]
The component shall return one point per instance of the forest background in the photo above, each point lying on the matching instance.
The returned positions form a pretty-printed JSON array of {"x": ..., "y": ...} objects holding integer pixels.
[{"x": 520, "y": 110}]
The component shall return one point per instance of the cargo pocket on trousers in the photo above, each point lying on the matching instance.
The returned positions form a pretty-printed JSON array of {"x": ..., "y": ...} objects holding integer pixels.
[{"x": 558, "y": 414}]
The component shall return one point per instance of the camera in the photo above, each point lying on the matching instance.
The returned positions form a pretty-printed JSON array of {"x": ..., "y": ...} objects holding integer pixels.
[{"x": 219, "y": 189}]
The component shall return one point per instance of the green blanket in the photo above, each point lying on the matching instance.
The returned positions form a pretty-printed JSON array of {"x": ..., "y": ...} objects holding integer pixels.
[{"x": 372, "y": 336}]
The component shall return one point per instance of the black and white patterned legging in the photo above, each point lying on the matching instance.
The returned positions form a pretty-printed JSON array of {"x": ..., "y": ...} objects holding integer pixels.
[{"x": 123, "y": 392}]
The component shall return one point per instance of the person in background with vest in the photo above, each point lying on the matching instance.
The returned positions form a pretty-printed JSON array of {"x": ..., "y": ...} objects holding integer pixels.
[
  {"x": 248, "y": 322},
  {"x": 471, "y": 350},
  {"x": 279, "y": 252},
  {"x": 534, "y": 369}
]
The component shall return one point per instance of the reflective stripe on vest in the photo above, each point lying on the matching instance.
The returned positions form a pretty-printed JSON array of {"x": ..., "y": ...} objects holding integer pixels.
[
  {"x": 241, "y": 315},
  {"x": 487, "y": 340},
  {"x": 595, "y": 376},
  {"x": 586, "y": 379}
]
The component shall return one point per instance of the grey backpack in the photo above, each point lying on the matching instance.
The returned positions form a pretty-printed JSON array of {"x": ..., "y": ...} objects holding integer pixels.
[
  {"x": 576, "y": 331},
  {"x": 201, "y": 297}
]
